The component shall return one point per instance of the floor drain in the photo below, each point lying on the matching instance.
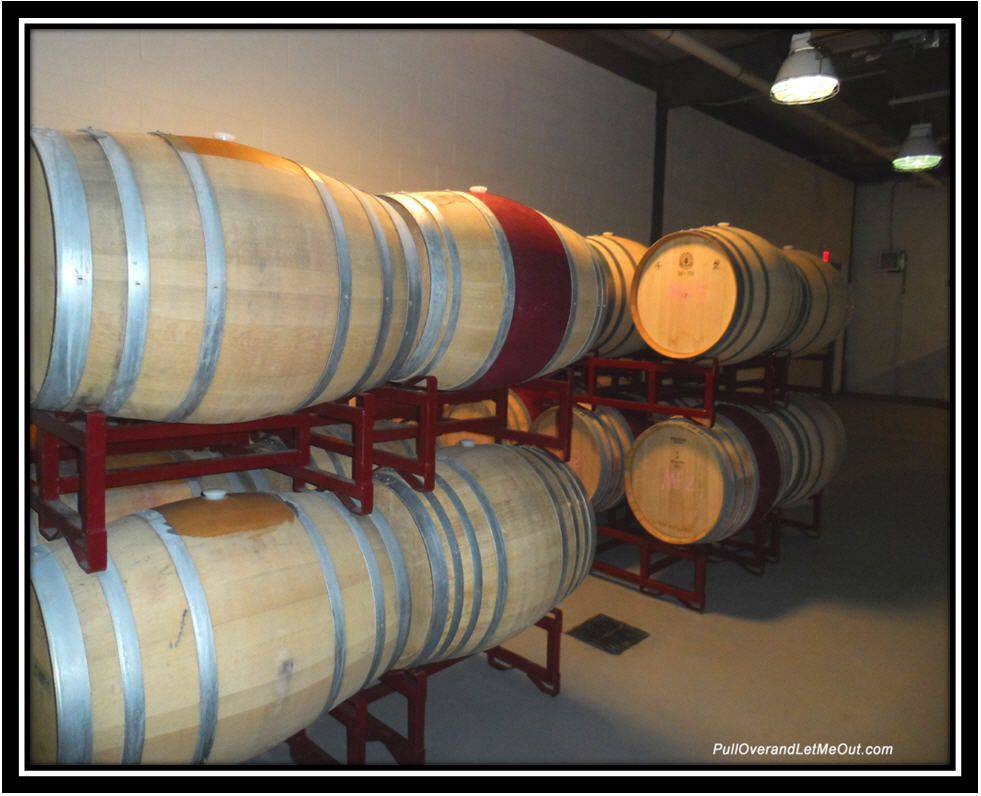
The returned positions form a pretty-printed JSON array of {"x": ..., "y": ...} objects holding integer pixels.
[{"x": 608, "y": 634}]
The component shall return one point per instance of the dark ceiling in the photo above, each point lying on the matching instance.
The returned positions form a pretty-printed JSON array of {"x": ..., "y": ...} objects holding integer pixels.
[{"x": 884, "y": 74}]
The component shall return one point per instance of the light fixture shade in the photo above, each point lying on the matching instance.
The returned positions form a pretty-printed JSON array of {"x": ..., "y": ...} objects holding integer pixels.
[
  {"x": 919, "y": 152},
  {"x": 805, "y": 76}
]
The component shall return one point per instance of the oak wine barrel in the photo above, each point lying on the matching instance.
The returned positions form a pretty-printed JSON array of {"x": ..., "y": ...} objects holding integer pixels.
[
  {"x": 220, "y": 628},
  {"x": 619, "y": 257},
  {"x": 811, "y": 443},
  {"x": 828, "y": 305},
  {"x": 507, "y": 294},
  {"x": 600, "y": 440},
  {"x": 688, "y": 483},
  {"x": 716, "y": 292},
  {"x": 189, "y": 279}
]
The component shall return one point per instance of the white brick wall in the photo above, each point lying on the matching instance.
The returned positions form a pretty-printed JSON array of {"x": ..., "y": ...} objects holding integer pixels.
[{"x": 384, "y": 110}]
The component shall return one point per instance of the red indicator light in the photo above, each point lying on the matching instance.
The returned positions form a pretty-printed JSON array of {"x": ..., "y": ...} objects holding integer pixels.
[{"x": 826, "y": 256}]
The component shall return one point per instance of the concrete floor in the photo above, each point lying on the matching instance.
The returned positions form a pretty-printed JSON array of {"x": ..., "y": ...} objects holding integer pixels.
[{"x": 845, "y": 640}]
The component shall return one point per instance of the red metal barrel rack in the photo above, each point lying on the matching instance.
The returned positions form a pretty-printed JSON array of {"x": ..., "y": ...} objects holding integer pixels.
[
  {"x": 652, "y": 385},
  {"x": 90, "y": 437},
  {"x": 410, "y": 749}
]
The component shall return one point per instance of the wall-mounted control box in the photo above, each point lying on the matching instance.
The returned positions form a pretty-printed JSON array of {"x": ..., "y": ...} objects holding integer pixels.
[{"x": 893, "y": 261}]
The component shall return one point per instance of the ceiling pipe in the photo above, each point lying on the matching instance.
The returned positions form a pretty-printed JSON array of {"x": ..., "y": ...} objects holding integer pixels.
[
  {"x": 944, "y": 92},
  {"x": 726, "y": 65}
]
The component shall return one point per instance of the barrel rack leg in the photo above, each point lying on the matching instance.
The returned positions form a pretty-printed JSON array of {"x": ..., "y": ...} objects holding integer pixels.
[
  {"x": 773, "y": 548},
  {"x": 753, "y": 554},
  {"x": 85, "y": 528},
  {"x": 362, "y": 727},
  {"x": 413, "y": 684},
  {"x": 654, "y": 556},
  {"x": 306, "y": 752},
  {"x": 547, "y": 679},
  {"x": 810, "y": 528}
]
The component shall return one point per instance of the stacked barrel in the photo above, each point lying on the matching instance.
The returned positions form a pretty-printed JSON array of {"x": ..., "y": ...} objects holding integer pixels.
[
  {"x": 690, "y": 483},
  {"x": 728, "y": 294},
  {"x": 177, "y": 278},
  {"x": 686, "y": 482},
  {"x": 600, "y": 440},
  {"x": 221, "y": 627},
  {"x": 184, "y": 279},
  {"x": 619, "y": 257},
  {"x": 188, "y": 279}
]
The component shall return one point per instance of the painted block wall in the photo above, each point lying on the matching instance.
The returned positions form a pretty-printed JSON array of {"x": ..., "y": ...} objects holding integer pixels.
[
  {"x": 717, "y": 173},
  {"x": 385, "y": 110},
  {"x": 899, "y": 343}
]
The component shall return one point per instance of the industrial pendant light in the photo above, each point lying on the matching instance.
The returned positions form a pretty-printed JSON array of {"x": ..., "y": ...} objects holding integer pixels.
[
  {"x": 805, "y": 76},
  {"x": 919, "y": 152}
]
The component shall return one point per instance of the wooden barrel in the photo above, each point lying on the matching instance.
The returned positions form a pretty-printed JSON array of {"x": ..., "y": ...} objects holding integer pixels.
[
  {"x": 585, "y": 321},
  {"x": 827, "y": 306},
  {"x": 222, "y": 627},
  {"x": 792, "y": 443},
  {"x": 518, "y": 419},
  {"x": 489, "y": 573},
  {"x": 188, "y": 279},
  {"x": 600, "y": 440},
  {"x": 619, "y": 257},
  {"x": 719, "y": 292},
  {"x": 507, "y": 293},
  {"x": 766, "y": 459},
  {"x": 534, "y": 401},
  {"x": 687, "y": 483},
  {"x": 811, "y": 443}
]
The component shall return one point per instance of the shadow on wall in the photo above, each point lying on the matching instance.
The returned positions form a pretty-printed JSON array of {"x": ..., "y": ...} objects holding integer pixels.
[
  {"x": 886, "y": 529},
  {"x": 926, "y": 376}
]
